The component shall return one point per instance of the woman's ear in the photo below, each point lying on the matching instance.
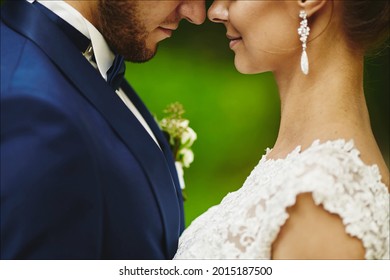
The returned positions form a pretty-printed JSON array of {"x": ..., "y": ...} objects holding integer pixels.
[{"x": 312, "y": 6}]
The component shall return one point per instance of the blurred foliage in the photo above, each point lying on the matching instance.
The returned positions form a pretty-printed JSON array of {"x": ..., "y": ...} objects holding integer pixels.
[{"x": 235, "y": 116}]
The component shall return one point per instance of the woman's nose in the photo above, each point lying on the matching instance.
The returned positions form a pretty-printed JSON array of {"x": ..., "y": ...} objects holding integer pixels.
[{"x": 218, "y": 11}]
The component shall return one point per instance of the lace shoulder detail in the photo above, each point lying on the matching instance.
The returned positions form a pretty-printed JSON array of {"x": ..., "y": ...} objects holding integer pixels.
[
  {"x": 247, "y": 222},
  {"x": 339, "y": 181}
]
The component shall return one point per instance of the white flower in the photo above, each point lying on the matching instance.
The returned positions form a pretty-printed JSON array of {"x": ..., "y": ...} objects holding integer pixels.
[
  {"x": 187, "y": 157},
  {"x": 188, "y": 137},
  {"x": 184, "y": 124}
]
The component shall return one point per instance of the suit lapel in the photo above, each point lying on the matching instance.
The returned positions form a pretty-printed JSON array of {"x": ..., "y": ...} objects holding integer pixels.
[
  {"x": 161, "y": 140},
  {"x": 31, "y": 23}
]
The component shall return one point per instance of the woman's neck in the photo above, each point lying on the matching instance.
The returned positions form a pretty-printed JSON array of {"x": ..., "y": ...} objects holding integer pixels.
[{"x": 327, "y": 104}]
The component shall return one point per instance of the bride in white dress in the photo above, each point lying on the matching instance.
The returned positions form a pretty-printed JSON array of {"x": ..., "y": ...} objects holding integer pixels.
[{"x": 322, "y": 191}]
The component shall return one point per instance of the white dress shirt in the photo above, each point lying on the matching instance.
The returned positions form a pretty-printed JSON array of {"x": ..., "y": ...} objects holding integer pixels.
[{"x": 103, "y": 55}]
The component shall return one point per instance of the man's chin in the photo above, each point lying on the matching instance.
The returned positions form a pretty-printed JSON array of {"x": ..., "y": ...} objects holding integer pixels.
[{"x": 142, "y": 56}]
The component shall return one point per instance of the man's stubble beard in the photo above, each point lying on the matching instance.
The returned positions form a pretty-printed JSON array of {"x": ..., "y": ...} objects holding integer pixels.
[{"x": 123, "y": 30}]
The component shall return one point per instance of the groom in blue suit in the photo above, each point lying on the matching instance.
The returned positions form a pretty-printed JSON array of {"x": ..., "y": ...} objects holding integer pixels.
[{"x": 85, "y": 171}]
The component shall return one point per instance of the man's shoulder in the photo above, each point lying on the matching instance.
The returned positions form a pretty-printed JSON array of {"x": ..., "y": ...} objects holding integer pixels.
[
  {"x": 26, "y": 68},
  {"x": 19, "y": 51}
]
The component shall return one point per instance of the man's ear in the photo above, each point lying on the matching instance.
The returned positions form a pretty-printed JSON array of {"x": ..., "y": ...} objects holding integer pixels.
[{"x": 311, "y": 6}]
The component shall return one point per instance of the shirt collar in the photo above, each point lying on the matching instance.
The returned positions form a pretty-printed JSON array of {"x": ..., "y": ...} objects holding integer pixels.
[{"x": 103, "y": 55}]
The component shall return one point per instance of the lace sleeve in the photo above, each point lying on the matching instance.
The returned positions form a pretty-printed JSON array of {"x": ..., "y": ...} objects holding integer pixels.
[{"x": 343, "y": 185}]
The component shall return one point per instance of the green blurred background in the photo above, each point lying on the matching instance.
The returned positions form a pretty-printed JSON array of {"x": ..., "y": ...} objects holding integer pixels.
[{"x": 236, "y": 116}]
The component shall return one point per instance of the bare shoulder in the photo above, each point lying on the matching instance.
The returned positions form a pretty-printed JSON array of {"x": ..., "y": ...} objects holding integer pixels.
[{"x": 313, "y": 233}]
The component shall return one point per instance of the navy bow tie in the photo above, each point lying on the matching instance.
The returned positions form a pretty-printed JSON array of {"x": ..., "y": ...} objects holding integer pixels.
[{"x": 116, "y": 73}]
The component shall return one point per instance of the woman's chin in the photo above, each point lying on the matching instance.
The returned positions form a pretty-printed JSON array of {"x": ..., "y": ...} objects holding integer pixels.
[{"x": 245, "y": 68}]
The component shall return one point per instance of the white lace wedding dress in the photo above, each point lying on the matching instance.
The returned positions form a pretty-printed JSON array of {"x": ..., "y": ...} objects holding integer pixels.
[{"x": 246, "y": 222}]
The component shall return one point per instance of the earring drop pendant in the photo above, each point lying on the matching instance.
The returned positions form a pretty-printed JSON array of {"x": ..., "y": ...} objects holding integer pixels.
[
  {"x": 304, "y": 31},
  {"x": 304, "y": 63}
]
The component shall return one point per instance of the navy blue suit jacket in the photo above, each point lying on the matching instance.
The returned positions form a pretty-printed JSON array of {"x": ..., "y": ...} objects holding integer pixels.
[{"x": 80, "y": 177}]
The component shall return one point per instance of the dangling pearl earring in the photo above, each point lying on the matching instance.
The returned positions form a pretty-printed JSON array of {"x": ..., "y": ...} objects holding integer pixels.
[{"x": 304, "y": 32}]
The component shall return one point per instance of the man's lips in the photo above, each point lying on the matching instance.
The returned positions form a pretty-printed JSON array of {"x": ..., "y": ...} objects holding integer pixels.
[{"x": 168, "y": 30}]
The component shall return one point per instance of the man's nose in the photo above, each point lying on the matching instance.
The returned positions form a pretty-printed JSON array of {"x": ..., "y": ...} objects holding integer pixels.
[
  {"x": 218, "y": 12},
  {"x": 193, "y": 10}
]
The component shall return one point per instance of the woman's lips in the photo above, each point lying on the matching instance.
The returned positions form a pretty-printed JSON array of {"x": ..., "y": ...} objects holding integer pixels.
[{"x": 234, "y": 40}]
